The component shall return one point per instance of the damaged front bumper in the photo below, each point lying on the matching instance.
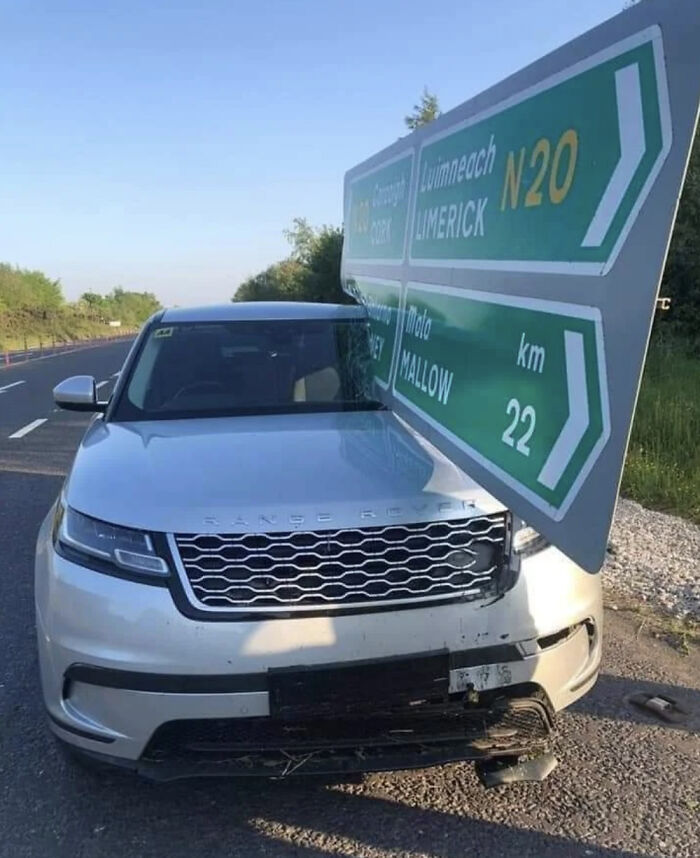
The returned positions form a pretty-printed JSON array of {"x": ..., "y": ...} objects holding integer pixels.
[{"x": 424, "y": 734}]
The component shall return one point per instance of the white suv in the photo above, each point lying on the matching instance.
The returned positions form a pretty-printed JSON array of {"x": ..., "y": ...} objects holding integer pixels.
[{"x": 255, "y": 568}]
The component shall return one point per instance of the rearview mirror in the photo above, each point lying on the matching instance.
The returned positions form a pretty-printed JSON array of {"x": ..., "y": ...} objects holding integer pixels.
[{"x": 78, "y": 393}]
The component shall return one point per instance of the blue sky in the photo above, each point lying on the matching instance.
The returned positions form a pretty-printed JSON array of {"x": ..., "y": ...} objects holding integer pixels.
[{"x": 165, "y": 145}]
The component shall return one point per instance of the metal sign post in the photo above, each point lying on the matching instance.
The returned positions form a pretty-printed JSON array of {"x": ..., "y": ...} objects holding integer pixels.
[{"x": 510, "y": 255}]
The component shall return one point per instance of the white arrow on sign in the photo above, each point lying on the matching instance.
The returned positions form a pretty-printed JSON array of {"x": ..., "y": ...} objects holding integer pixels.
[
  {"x": 577, "y": 421},
  {"x": 630, "y": 119}
]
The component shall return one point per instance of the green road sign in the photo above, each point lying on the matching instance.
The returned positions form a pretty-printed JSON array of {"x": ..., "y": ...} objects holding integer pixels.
[
  {"x": 382, "y": 299},
  {"x": 535, "y": 221},
  {"x": 552, "y": 180},
  {"x": 377, "y": 212},
  {"x": 517, "y": 383}
]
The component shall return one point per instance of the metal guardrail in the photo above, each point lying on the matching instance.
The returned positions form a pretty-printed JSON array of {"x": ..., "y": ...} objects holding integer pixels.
[{"x": 11, "y": 357}]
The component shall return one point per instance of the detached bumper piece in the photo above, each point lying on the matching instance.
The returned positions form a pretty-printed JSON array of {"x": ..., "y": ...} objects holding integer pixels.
[
  {"x": 426, "y": 734},
  {"x": 501, "y": 771}
]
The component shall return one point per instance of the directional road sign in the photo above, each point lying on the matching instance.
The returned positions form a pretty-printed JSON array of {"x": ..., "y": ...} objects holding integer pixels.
[
  {"x": 509, "y": 254},
  {"x": 536, "y": 392}
]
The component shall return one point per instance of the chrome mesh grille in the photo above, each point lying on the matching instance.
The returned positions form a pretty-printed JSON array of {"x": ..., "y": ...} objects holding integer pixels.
[{"x": 345, "y": 568}]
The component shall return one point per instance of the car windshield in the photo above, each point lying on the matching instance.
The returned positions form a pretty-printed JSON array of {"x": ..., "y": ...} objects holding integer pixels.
[{"x": 216, "y": 369}]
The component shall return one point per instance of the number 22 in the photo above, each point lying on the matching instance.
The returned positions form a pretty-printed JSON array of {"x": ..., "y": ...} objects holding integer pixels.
[{"x": 526, "y": 416}]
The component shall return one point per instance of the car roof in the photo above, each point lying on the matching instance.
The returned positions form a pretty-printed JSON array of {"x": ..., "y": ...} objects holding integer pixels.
[{"x": 261, "y": 311}]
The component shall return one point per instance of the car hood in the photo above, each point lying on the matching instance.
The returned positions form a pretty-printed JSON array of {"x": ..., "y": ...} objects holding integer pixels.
[{"x": 267, "y": 473}]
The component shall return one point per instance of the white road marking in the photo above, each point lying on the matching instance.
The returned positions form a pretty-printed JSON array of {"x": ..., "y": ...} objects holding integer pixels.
[
  {"x": 30, "y": 427},
  {"x": 8, "y": 386},
  {"x": 579, "y": 413},
  {"x": 115, "y": 375},
  {"x": 630, "y": 117},
  {"x": 102, "y": 384}
]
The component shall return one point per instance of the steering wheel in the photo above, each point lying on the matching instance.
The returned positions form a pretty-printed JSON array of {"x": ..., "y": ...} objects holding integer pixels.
[{"x": 197, "y": 386}]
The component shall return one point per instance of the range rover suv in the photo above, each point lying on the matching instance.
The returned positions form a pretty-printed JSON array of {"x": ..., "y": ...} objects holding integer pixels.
[{"x": 253, "y": 567}]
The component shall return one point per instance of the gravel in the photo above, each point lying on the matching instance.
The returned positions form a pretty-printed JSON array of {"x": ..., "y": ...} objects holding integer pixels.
[{"x": 655, "y": 558}]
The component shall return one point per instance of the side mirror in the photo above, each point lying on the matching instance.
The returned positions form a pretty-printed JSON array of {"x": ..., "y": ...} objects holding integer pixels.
[{"x": 78, "y": 393}]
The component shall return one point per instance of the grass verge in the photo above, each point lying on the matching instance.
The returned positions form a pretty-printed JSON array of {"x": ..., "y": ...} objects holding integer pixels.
[{"x": 662, "y": 470}]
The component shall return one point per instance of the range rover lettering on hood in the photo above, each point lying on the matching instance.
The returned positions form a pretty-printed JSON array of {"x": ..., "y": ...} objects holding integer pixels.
[{"x": 295, "y": 520}]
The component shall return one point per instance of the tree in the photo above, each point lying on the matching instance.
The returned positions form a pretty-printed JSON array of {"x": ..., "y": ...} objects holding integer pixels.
[
  {"x": 32, "y": 291},
  {"x": 92, "y": 299},
  {"x": 682, "y": 274},
  {"x": 424, "y": 112},
  {"x": 278, "y": 282},
  {"x": 130, "y": 308},
  {"x": 302, "y": 237},
  {"x": 310, "y": 273},
  {"x": 33, "y": 309}
]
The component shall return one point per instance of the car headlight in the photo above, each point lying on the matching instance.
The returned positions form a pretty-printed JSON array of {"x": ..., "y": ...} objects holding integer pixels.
[
  {"x": 528, "y": 541},
  {"x": 108, "y": 545}
]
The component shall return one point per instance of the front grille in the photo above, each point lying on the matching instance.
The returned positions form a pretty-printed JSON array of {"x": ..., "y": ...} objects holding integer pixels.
[{"x": 348, "y": 568}]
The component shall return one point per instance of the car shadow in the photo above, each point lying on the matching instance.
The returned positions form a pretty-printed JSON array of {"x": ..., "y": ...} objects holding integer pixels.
[{"x": 305, "y": 817}]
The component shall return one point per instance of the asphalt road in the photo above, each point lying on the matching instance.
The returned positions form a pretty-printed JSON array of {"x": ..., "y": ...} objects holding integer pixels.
[{"x": 626, "y": 784}]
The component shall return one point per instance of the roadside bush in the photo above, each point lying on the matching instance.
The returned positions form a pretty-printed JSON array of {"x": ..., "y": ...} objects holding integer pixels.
[
  {"x": 33, "y": 311},
  {"x": 663, "y": 461}
]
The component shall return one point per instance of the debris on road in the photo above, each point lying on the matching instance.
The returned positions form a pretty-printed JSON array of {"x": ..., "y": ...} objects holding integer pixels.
[
  {"x": 511, "y": 770},
  {"x": 666, "y": 708}
]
